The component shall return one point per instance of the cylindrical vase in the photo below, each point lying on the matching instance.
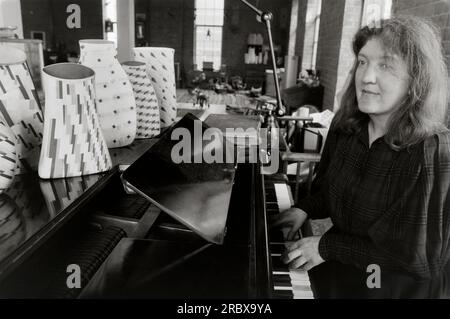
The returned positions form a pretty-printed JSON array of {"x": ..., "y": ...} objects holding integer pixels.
[
  {"x": 161, "y": 71},
  {"x": 147, "y": 110},
  {"x": 116, "y": 105}
]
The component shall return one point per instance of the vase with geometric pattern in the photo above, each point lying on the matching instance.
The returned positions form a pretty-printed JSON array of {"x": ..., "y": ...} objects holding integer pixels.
[
  {"x": 161, "y": 71},
  {"x": 20, "y": 106},
  {"x": 116, "y": 105},
  {"x": 147, "y": 110},
  {"x": 73, "y": 143}
]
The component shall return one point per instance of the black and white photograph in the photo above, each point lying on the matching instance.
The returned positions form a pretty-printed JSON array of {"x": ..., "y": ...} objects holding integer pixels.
[{"x": 225, "y": 155}]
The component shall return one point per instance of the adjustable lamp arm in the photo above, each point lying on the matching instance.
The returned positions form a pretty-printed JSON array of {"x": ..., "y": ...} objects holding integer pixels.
[{"x": 267, "y": 17}]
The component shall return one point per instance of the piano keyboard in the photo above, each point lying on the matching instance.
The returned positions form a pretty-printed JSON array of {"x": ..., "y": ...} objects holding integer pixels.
[{"x": 288, "y": 283}]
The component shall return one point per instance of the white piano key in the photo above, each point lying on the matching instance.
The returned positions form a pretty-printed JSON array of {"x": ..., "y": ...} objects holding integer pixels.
[
  {"x": 300, "y": 284},
  {"x": 284, "y": 197},
  {"x": 303, "y": 295},
  {"x": 284, "y": 288},
  {"x": 277, "y": 272}
]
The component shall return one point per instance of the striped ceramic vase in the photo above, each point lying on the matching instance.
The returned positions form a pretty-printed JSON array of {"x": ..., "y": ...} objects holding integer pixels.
[
  {"x": 20, "y": 106},
  {"x": 147, "y": 110},
  {"x": 116, "y": 106},
  {"x": 73, "y": 144},
  {"x": 161, "y": 71}
]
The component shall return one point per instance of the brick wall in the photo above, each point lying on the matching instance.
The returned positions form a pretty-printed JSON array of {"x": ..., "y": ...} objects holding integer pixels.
[
  {"x": 437, "y": 11},
  {"x": 339, "y": 21},
  {"x": 329, "y": 45},
  {"x": 50, "y": 16},
  {"x": 307, "y": 31},
  {"x": 351, "y": 25},
  {"x": 301, "y": 26},
  {"x": 170, "y": 23},
  {"x": 240, "y": 21}
]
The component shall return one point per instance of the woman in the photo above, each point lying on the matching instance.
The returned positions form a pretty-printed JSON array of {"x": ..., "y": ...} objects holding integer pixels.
[{"x": 384, "y": 176}]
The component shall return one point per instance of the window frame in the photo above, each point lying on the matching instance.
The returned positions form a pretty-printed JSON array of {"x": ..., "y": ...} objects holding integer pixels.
[{"x": 211, "y": 26}]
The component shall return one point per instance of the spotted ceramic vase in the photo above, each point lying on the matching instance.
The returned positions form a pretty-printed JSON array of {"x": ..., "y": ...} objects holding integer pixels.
[
  {"x": 147, "y": 110},
  {"x": 161, "y": 71},
  {"x": 116, "y": 106},
  {"x": 73, "y": 143},
  {"x": 20, "y": 107}
]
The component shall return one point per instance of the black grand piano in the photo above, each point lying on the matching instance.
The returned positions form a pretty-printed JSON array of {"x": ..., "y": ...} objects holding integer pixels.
[{"x": 125, "y": 245}]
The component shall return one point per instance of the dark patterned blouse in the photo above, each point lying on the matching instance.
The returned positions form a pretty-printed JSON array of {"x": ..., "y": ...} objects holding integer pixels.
[{"x": 390, "y": 208}]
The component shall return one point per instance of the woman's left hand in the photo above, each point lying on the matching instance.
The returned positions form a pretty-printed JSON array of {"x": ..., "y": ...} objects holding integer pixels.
[{"x": 303, "y": 254}]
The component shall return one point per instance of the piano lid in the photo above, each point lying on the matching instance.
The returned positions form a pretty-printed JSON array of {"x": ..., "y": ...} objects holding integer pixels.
[{"x": 186, "y": 179}]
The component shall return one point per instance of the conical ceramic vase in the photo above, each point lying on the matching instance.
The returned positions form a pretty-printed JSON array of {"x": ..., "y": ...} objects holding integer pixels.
[
  {"x": 116, "y": 105},
  {"x": 20, "y": 106},
  {"x": 161, "y": 71},
  {"x": 148, "y": 124},
  {"x": 8, "y": 156},
  {"x": 73, "y": 144}
]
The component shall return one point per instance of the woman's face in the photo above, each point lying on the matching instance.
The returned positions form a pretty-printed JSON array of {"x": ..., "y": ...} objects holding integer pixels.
[{"x": 381, "y": 80}]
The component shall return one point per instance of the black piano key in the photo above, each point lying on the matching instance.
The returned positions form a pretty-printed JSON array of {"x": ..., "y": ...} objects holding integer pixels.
[
  {"x": 283, "y": 294},
  {"x": 271, "y": 206},
  {"x": 278, "y": 265},
  {"x": 276, "y": 236},
  {"x": 282, "y": 280},
  {"x": 277, "y": 248},
  {"x": 278, "y": 178}
]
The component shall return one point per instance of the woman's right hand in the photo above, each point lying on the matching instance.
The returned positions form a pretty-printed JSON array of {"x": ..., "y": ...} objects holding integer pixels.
[{"x": 293, "y": 218}]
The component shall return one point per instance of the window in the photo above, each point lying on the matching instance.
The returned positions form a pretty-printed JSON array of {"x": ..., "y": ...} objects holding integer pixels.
[
  {"x": 208, "y": 32},
  {"x": 110, "y": 16},
  {"x": 375, "y": 10}
]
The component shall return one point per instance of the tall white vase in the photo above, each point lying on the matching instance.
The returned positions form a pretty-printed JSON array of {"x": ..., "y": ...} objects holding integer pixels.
[
  {"x": 73, "y": 143},
  {"x": 20, "y": 106},
  {"x": 148, "y": 121},
  {"x": 161, "y": 71},
  {"x": 116, "y": 105}
]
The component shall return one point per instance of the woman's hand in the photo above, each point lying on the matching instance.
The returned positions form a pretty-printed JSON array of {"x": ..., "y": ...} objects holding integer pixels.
[
  {"x": 293, "y": 218},
  {"x": 303, "y": 254}
]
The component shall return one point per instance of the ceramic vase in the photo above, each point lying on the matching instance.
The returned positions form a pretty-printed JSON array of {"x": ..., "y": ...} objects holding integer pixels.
[
  {"x": 73, "y": 144},
  {"x": 116, "y": 105},
  {"x": 147, "y": 110},
  {"x": 20, "y": 106},
  {"x": 161, "y": 71}
]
